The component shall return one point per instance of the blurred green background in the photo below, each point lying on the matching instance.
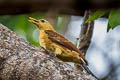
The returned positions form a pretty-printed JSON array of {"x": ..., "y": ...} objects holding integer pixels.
[{"x": 27, "y": 30}]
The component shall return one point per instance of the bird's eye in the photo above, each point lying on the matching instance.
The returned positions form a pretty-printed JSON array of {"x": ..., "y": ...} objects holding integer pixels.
[{"x": 42, "y": 20}]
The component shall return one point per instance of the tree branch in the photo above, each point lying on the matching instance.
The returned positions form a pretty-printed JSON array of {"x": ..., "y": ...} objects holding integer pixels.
[
  {"x": 21, "y": 61},
  {"x": 86, "y": 33}
]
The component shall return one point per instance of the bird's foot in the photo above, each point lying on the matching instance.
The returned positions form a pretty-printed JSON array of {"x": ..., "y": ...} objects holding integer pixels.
[{"x": 44, "y": 50}]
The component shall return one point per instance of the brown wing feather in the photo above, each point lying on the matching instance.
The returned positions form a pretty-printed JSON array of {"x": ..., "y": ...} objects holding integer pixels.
[
  {"x": 62, "y": 41},
  {"x": 59, "y": 39}
]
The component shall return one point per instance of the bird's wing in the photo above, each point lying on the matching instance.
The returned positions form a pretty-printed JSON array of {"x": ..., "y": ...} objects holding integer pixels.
[{"x": 62, "y": 41}]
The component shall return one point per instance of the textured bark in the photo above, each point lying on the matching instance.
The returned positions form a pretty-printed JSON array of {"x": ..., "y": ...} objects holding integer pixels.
[{"x": 19, "y": 60}]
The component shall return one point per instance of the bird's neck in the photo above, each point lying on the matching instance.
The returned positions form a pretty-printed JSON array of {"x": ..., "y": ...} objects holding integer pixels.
[
  {"x": 50, "y": 28},
  {"x": 42, "y": 33}
]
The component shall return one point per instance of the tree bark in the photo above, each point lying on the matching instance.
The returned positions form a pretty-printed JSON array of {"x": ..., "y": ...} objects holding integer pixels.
[
  {"x": 19, "y": 60},
  {"x": 86, "y": 33}
]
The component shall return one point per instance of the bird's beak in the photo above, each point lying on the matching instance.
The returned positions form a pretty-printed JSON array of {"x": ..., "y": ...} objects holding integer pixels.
[{"x": 34, "y": 21}]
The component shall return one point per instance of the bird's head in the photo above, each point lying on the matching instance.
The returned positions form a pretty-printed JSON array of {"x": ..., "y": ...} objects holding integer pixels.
[{"x": 42, "y": 24}]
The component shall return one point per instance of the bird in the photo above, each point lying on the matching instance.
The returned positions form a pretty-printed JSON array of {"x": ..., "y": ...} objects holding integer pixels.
[{"x": 55, "y": 42}]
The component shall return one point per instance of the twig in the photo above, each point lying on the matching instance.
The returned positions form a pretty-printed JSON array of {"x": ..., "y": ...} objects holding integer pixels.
[{"x": 86, "y": 33}]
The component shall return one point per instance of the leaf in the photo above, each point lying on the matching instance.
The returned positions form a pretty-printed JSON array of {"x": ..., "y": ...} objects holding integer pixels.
[
  {"x": 96, "y": 15},
  {"x": 114, "y": 19}
]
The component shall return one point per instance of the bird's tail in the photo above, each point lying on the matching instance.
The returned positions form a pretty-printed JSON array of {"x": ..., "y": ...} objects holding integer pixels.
[
  {"x": 84, "y": 64},
  {"x": 88, "y": 71}
]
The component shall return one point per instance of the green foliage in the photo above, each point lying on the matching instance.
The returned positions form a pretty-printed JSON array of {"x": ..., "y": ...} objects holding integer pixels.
[
  {"x": 96, "y": 15},
  {"x": 114, "y": 19},
  {"x": 20, "y": 25}
]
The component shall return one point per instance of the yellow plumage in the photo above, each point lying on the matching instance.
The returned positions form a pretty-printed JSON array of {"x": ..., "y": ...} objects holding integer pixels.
[
  {"x": 61, "y": 52},
  {"x": 48, "y": 38}
]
